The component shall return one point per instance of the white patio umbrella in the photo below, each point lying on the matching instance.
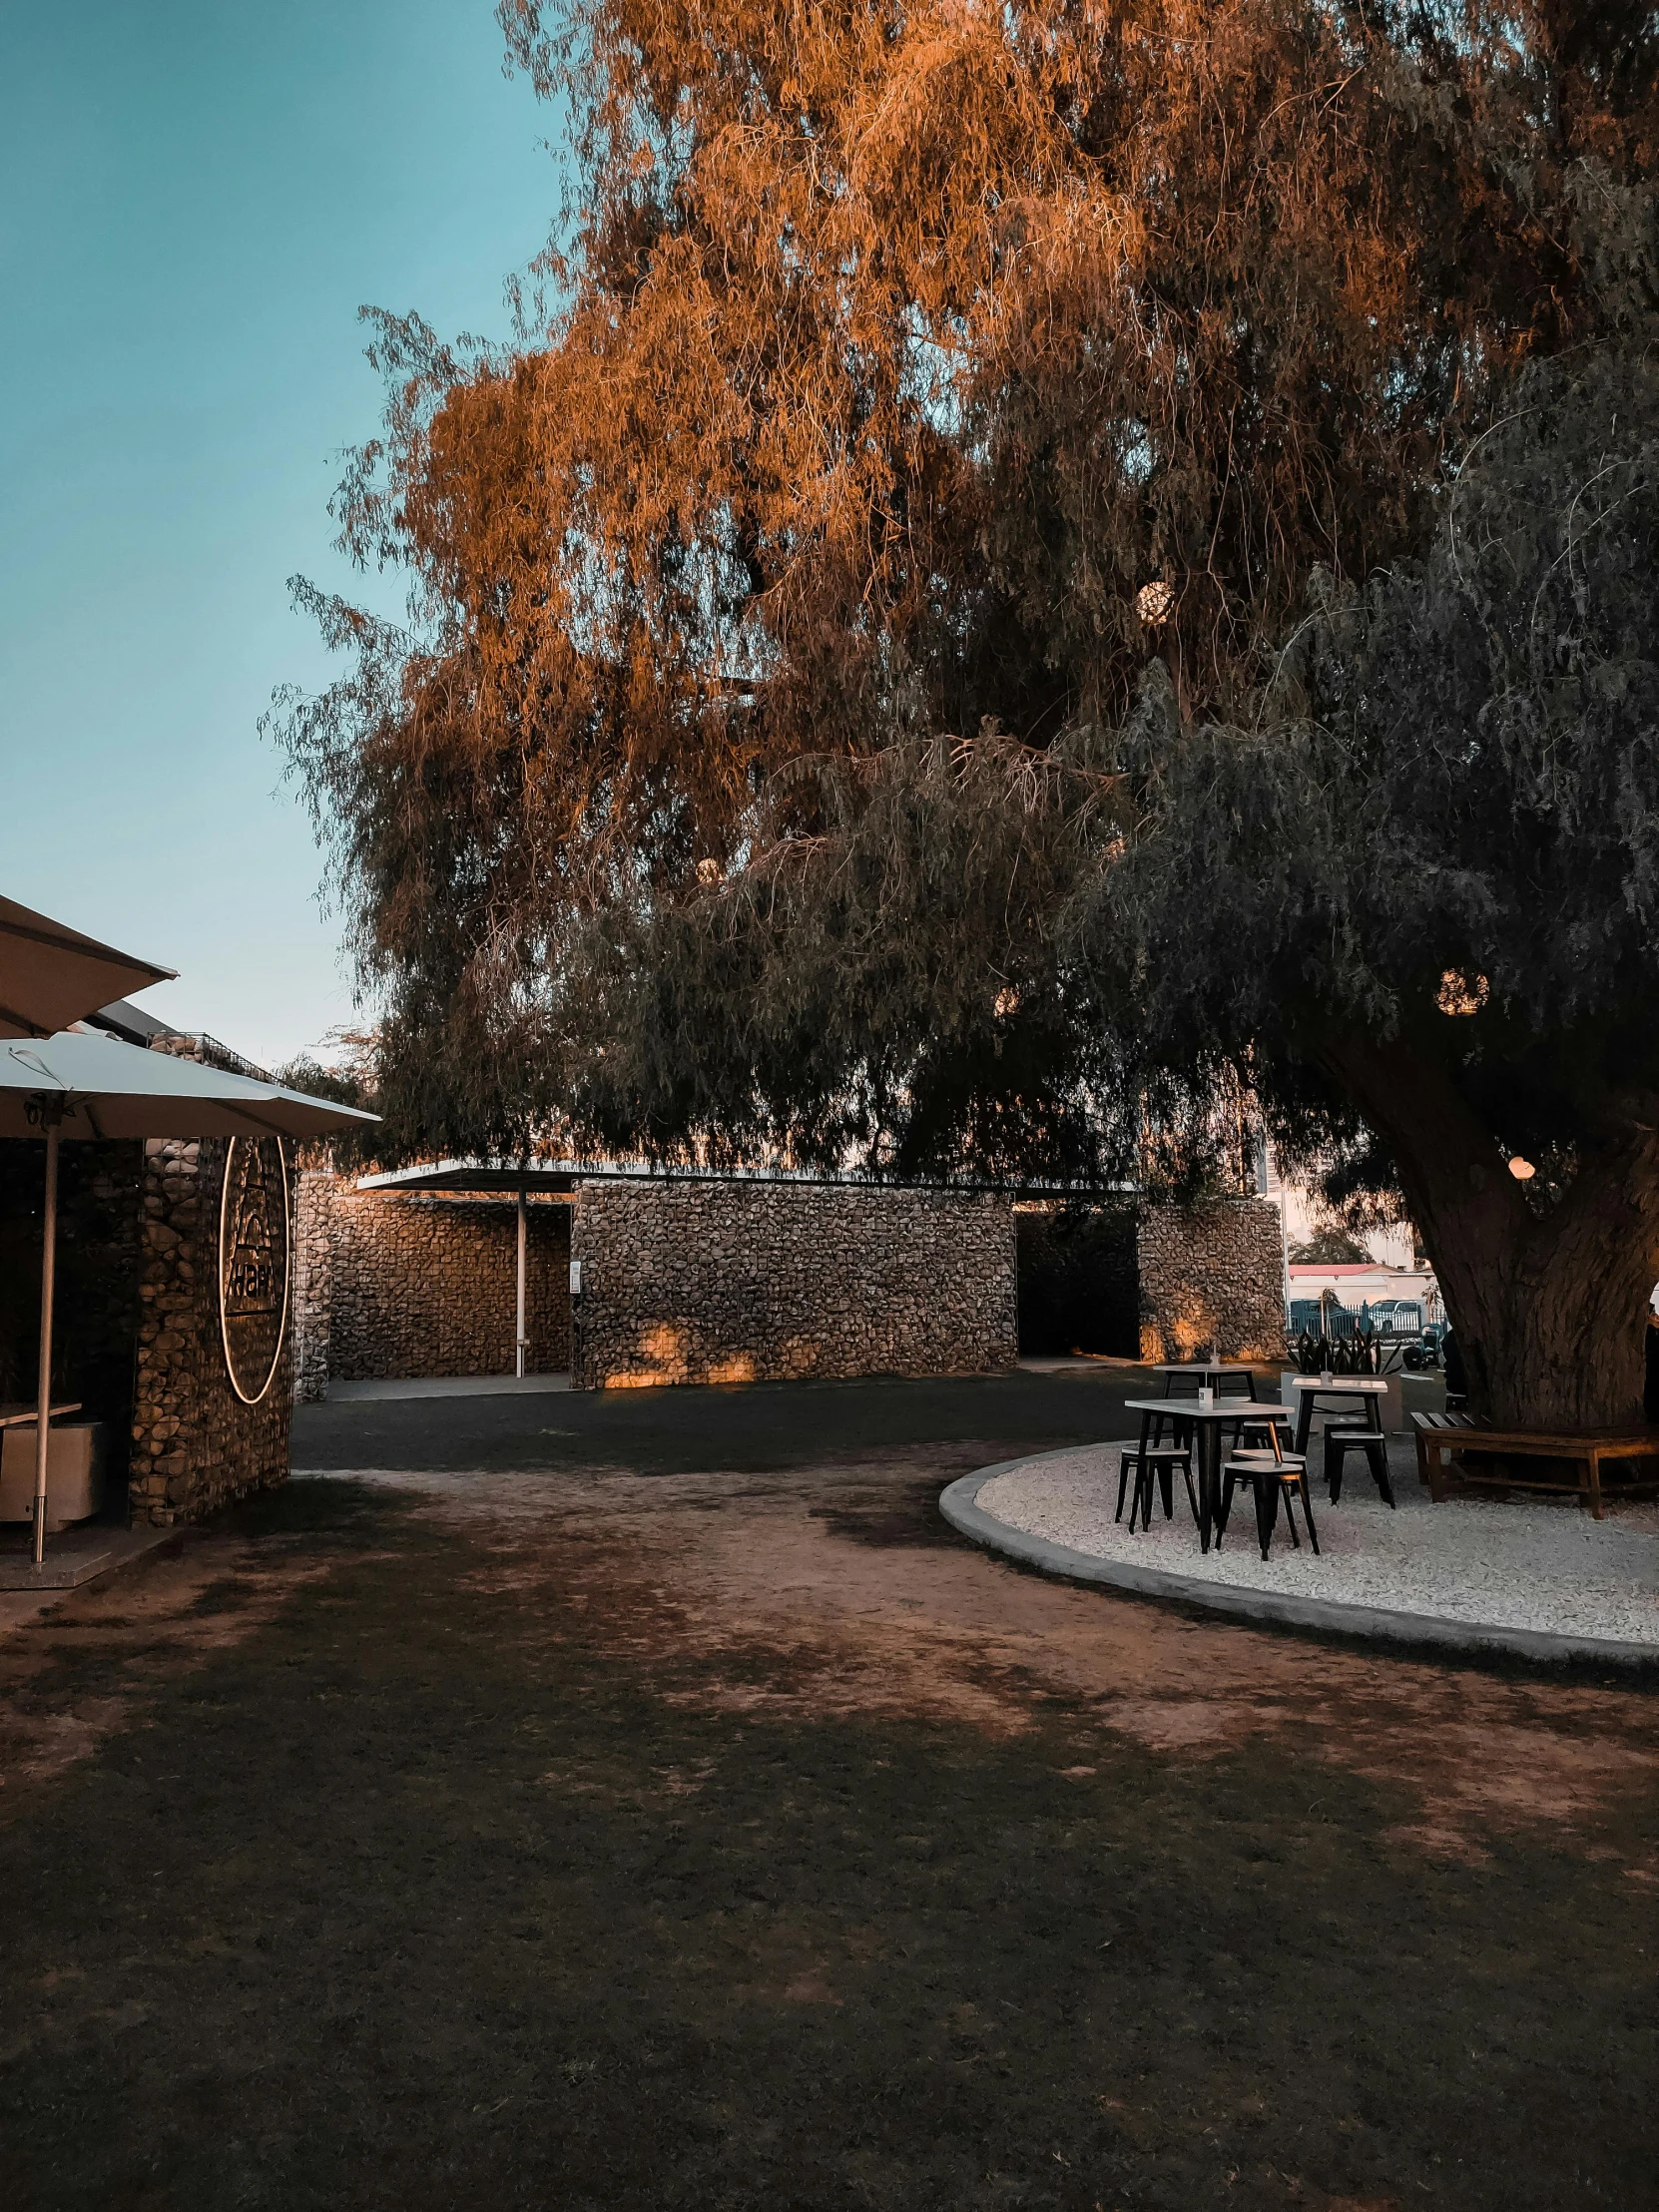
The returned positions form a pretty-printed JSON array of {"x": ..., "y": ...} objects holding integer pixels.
[
  {"x": 50, "y": 975},
  {"x": 85, "y": 1086}
]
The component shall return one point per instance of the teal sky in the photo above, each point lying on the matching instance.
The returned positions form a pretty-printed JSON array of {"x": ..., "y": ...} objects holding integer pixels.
[{"x": 194, "y": 200}]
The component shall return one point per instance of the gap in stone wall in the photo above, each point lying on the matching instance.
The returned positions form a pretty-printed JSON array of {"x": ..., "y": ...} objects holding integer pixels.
[
  {"x": 1079, "y": 1281},
  {"x": 397, "y": 1284}
]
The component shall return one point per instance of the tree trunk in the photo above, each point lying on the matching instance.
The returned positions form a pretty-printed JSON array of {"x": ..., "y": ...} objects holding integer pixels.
[{"x": 1550, "y": 1307}]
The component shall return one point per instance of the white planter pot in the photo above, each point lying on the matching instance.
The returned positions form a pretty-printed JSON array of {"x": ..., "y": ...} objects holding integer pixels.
[{"x": 73, "y": 1472}]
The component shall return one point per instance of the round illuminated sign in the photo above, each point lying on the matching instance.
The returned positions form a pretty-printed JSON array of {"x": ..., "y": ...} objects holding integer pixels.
[{"x": 253, "y": 1263}]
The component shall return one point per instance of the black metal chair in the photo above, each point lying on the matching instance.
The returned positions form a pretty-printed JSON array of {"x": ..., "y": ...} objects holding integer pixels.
[
  {"x": 1154, "y": 1465},
  {"x": 1372, "y": 1441},
  {"x": 1266, "y": 1431},
  {"x": 1239, "y": 1383}
]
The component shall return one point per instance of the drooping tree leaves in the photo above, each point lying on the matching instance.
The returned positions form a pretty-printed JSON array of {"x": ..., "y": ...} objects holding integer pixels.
[{"x": 892, "y": 355}]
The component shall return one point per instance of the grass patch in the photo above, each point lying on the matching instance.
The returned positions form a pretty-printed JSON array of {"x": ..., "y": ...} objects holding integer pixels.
[{"x": 419, "y": 1896}]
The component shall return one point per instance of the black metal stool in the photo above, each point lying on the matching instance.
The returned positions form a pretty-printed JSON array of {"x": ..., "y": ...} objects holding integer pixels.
[
  {"x": 1271, "y": 1474},
  {"x": 1374, "y": 1445},
  {"x": 1245, "y": 1426},
  {"x": 1154, "y": 1465}
]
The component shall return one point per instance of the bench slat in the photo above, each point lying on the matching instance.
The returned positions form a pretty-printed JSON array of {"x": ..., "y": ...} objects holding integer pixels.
[{"x": 1440, "y": 1434}]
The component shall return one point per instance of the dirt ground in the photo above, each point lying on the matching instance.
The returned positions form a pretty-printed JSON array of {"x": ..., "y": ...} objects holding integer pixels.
[{"x": 648, "y": 1824}]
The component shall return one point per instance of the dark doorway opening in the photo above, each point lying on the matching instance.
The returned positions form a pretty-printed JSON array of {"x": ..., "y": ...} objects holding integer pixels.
[{"x": 1079, "y": 1283}]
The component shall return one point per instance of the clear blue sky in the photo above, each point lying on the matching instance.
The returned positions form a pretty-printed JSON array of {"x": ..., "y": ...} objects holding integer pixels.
[{"x": 196, "y": 197}]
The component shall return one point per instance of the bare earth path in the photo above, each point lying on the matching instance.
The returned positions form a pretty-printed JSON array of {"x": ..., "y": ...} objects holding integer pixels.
[{"x": 558, "y": 1816}]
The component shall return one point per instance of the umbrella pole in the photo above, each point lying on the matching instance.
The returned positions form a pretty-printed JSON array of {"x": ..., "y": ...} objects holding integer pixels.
[
  {"x": 48, "y": 1282},
  {"x": 518, "y": 1330}
]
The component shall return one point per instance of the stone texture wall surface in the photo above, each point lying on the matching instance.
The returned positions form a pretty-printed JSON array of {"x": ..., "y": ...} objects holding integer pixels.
[
  {"x": 755, "y": 1282},
  {"x": 313, "y": 1279},
  {"x": 195, "y": 1444},
  {"x": 1212, "y": 1276},
  {"x": 417, "y": 1283}
]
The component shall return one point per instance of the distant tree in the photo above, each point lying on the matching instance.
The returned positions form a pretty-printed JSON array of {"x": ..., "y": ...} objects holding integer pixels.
[
  {"x": 1328, "y": 1248},
  {"x": 1035, "y": 572},
  {"x": 349, "y": 1084}
]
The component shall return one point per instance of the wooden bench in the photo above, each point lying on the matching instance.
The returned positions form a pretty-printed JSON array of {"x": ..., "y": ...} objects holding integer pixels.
[{"x": 1443, "y": 1436}]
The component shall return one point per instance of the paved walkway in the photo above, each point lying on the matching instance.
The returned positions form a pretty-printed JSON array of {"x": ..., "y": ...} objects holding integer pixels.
[{"x": 674, "y": 1813}]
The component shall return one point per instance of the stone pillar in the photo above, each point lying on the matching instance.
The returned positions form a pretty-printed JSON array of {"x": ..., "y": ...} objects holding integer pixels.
[
  {"x": 195, "y": 1444},
  {"x": 314, "y": 1282},
  {"x": 1212, "y": 1276}
]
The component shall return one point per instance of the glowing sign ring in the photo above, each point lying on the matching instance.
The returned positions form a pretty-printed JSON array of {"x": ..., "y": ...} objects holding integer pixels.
[{"x": 255, "y": 1396}]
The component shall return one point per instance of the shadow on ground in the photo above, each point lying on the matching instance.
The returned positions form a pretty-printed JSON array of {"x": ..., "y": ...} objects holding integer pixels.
[{"x": 739, "y": 1840}]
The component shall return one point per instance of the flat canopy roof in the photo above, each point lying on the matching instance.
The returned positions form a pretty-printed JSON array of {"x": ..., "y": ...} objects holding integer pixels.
[{"x": 558, "y": 1177}]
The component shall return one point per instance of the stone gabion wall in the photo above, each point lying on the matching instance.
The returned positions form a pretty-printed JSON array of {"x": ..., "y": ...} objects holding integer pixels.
[
  {"x": 427, "y": 1284},
  {"x": 314, "y": 1277},
  {"x": 758, "y": 1281},
  {"x": 1212, "y": 1276},
  {"x": 195, "y": 1444}
]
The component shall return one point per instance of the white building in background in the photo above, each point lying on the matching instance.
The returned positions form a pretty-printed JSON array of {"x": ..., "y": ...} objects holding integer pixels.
[
  {"x": 1381, "y": 1292},
  {"x": 1388, "y": 1278}
]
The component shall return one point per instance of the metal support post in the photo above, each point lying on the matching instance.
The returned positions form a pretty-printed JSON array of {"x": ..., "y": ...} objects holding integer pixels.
[
  {"x": 48, "y": 1284},
  {"x": 519, "y": 1337}
]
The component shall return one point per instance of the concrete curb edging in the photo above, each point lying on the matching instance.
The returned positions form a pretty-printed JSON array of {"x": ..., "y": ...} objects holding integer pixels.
[{"x": 958, "y": 1502}]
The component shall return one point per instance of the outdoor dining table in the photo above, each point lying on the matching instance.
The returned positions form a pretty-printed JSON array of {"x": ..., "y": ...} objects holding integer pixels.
[
  {"x": 1202, "y": 1371},
  {"x": 1369, "y": 1389},
  {"x": 1207, "y": 1423}
]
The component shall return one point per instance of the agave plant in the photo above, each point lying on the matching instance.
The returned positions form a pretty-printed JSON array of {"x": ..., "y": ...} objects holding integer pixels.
[{"x": 1357, "y": 1354}]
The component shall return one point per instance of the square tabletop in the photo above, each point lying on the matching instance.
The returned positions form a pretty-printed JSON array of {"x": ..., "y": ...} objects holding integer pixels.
[
  {"x": 1203, "y": 1366},
  {"x": 1225, "y": 1408},
  {"x": 1339, "y": 1383}
]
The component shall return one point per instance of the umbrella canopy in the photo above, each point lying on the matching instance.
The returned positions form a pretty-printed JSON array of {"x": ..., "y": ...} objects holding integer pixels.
[
  {"x": 104, "y": 1088},
  {"x": 51, "y": 975},
  {"x": 82, "y": 1085}
]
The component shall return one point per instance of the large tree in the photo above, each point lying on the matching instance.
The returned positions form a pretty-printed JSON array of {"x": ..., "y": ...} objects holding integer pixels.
[{"x": 1008, "y": 592}]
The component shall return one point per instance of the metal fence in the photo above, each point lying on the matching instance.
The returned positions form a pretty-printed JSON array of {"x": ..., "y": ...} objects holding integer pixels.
[{"x": 1329, "y": 1317}]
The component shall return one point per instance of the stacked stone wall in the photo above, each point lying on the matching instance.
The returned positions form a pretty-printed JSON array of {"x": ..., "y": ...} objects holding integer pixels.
[
  {"x": 402, "y": 1284},
  {"x": 757, "y": 1282},
  {"x": 194, "y": 1446},
  {"x": 1212, "y": 1280},
  {"x": 314, "y": 1279}
]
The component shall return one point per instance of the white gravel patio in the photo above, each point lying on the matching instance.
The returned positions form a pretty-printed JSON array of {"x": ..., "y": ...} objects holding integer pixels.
[{"x": 1542, "y": 1567}]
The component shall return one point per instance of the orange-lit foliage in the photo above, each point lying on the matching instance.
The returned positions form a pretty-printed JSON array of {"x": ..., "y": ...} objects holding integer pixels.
[
  {"x": 922, "y": 385},
  {"x": 896, "y": 348},
  {"x": 891, "y": 353}
]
